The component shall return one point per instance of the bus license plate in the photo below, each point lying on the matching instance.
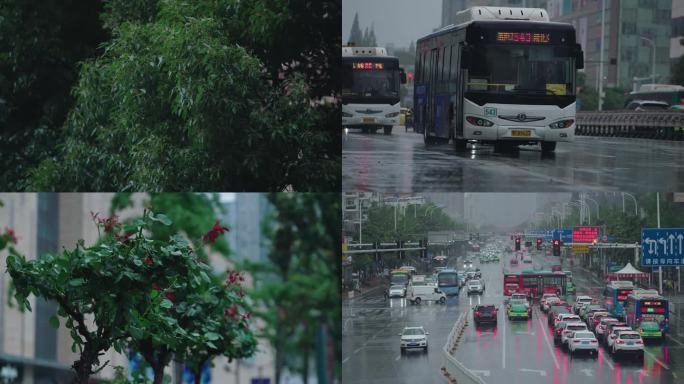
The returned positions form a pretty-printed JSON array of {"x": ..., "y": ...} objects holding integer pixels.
[
  {"x": 520, "y": 133},
  {"x": 369, "y": 120}
]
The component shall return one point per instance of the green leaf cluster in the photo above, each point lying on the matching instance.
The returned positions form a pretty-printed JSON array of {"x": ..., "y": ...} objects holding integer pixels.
[
  {"x": 154, "y": 296},
  {"x": 203, "y": 95},
  {"x": 298, "y": 289}
]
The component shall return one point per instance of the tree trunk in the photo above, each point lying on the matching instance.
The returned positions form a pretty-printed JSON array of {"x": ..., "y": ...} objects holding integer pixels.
[
  {"x": 306, "y": 365},
  {"x": 198, "y": 376},
  {"x": 158, "y": 369},
  {"x": 84, "y": 365}
]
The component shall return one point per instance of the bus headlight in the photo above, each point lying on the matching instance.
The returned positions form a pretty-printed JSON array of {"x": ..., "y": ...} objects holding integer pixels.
[
  {"x": 562, "y": 124},
  {"x": 345, "y": 114},
  {"x": 393, "y": 114},
  {"x": 480, "y": 122}
]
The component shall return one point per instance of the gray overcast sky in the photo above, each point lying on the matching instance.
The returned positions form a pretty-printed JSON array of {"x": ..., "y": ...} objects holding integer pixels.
[
  {"x": 396, "y": 21},
  {"x": 502, "y": 209}
]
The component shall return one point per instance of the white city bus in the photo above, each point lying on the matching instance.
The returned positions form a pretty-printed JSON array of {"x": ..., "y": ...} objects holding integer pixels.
[
  {"x": 370, "y": 89},
  {"x": 502, "y": 76}
]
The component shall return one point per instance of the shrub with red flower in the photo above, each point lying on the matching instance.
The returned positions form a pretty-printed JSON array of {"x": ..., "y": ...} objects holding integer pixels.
[
  {"x": 109, "y": 223},
  {"x": 214, "y": 232},
  {"x": 9, "y": 232}
]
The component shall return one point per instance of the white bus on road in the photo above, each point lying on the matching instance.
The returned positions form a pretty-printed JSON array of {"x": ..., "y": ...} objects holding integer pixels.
[
  {"x": 370, "y": 89},
  {"x": 502, "y": 76}
]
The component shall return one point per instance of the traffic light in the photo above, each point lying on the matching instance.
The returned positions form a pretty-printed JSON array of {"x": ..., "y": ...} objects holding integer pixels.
[
  {"x": 517, "y": 243},
  {"x": 539, "y": 243},
  {"x": 556, "y": 248}
]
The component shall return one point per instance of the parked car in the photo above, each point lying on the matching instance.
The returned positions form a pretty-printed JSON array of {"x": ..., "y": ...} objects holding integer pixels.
[{"x": 647, "y": 105}]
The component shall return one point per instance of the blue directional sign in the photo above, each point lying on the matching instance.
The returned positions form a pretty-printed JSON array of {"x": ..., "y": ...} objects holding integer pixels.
[
  {"x": 563, "y": 234},
  {"x": 662, "y": 247}
]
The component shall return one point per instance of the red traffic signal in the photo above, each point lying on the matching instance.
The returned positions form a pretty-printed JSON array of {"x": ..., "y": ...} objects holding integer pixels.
[
  {"x": 556, "y": 243},
  {"x": 517, "y": 240},
  {"x": 539, "y": 241}
]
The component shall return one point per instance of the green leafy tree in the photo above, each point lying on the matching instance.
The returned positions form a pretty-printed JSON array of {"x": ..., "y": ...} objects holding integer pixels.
[
  {"x": 41, "y": 44},
  {"x": 154, "y": 295},
  {"x": 298, "y": 288},
  {"x": 205, "y": 95},
  {"x": 412, "y": 223},
  {"x": 355, "y": 35}
]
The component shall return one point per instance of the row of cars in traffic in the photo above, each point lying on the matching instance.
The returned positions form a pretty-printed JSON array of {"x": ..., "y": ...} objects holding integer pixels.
[{"x": 582, "y": 326}]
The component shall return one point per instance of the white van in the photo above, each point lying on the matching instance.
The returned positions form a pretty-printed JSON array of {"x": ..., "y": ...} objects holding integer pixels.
[{"x": 419, "y": 293}]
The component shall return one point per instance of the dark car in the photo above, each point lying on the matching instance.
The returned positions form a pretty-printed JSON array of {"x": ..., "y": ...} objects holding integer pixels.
[
  {"x": 554, "y": 310},
  {"x": 484, "y": 314}
]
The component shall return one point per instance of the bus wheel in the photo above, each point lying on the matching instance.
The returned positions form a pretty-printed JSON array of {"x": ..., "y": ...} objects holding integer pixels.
[
  {"x": 460, "y": 144},
  {"x": 417, "y": 300},
  {"x": 548, "y": 146},
  {"x": 388, "y": 129}
]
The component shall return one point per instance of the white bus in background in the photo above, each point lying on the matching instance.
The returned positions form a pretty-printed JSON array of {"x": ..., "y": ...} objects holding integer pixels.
[
  {"x": 371, "y": 82},
  {"x": 502, "y": 76}
]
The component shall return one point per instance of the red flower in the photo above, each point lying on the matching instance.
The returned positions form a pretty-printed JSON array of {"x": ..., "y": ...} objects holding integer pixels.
[
  {"x": 123, "y": 238},
  {"x": 232, "y": 311},
  {"x": 156, "y": 287},
  {"x": 149, "y": 261},
  {"x": 108, "y": 222},
  {"x": 10, "y": 232},
  {"x": 171, "y": 295},
  {"x": 247, "y": 316},
  {"x": 214, "y": 232},
  {"x": 233, "y": 277}
]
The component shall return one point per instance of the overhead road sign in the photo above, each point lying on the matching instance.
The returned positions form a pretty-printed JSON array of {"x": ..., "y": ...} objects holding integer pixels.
[{"x": 662, "y": 247}]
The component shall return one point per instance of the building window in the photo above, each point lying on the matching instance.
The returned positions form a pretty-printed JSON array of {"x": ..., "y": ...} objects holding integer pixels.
[{"x": 628, "y": 28}]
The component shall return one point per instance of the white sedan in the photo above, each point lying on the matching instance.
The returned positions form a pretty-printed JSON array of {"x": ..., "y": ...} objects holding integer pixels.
[{"x": 583, "y": 341}]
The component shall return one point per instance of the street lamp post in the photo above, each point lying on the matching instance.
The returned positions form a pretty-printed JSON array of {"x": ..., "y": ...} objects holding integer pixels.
[
  {"x": 603, "y": 22},
  {"x": 597, "y": 206},
  {"x": 654, "y": 56},
  {"x": 635, "y": 203}
]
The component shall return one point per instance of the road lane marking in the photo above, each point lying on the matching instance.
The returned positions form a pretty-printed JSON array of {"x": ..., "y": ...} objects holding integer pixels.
[
  {"x": 482, "y": 372},
  {"x": 587, "y": 371},
  {"x": 503, "y": 359},
  {"x": 657, "y": 360},
  {"x": 546, "y": 338},
  {"x": 605, "y": 359},
  {"x": 675, "y": 340},
  {"x": 539, "y": 371},
  {"x": 398, "y": 357},
  {"x": 345, "y": 360},
  {"x": 357, "y": 350}
]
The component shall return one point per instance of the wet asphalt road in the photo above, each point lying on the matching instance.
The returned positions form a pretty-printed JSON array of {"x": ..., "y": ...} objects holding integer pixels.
[
  {"x": 402, "y": 163},
  {"x": 511, "y": 352}
]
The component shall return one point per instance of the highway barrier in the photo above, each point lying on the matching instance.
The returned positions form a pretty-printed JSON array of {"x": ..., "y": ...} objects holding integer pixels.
[
  {"x": 453, "y": 370},
  {"x": 664, "y": 125}
]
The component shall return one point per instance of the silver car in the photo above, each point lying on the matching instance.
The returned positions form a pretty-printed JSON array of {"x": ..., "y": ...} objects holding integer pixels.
[{"x": 583, "y": 341}]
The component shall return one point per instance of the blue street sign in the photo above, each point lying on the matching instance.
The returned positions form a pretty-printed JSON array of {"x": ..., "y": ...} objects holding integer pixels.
[
  {"x": 662, "y": 247},
  {"x": 259, "y": 380},
  {"x": 564, "y": 235}
]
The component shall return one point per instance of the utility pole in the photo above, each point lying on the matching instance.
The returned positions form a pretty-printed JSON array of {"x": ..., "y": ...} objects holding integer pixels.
[
  {"x": 660, "y": 269},
  {"x": 603, "y": 23}
]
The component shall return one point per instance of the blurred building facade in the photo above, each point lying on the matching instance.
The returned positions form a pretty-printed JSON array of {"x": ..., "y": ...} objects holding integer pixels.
[{"x": 46, "y": 222}]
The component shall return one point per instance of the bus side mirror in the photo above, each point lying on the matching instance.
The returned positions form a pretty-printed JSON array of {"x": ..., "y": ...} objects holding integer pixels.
[
  {"x": 402, "y": 75},
  {"x": 579, "y": 57},
  {"x": 466, "y": 57}
]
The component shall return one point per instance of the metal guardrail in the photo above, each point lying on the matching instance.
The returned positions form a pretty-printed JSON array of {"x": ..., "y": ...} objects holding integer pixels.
[
  {"x": 664, "y": 125},
  {"x": 453, "y": 370}
]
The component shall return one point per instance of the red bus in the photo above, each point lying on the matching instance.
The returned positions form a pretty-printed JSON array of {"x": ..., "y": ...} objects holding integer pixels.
[{"x": 534, "y": 283}]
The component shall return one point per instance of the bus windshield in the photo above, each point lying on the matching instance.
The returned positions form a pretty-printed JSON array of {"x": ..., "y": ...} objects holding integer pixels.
[
  {"x": 515, "y": 69},
  {"x": 370, "y": 81},
  {"x": 447, "y": 279},
  {"x": 399, "y": 278}
]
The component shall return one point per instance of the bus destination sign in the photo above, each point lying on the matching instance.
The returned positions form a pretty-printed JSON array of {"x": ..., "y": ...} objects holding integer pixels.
[
  {"x": 523, "y": 37},
  {"x": 585, "y": 234},
  {"x": 368, "y": 66}
]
